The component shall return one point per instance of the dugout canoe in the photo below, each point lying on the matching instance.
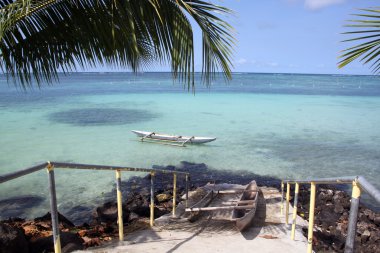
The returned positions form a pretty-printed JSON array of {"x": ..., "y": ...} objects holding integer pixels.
[{"x": 243, "y": 217}]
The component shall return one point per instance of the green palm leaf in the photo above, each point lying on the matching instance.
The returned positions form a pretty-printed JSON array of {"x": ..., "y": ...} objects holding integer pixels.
[
  {"x": 368, "y": 35},
  {"x": 38, "y": 38}
]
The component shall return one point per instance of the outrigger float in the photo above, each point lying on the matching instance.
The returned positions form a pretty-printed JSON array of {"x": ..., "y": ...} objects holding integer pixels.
[{"x": 176, "y": 140}]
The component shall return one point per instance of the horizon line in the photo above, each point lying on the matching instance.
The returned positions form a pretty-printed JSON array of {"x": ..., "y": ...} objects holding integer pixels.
[
  {"x": 233, "y": 72},
  {"x": 200, "y": 72}
]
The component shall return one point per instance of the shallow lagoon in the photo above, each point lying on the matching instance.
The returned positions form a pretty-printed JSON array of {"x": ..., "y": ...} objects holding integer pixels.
[{"x": 282, "y": 125}]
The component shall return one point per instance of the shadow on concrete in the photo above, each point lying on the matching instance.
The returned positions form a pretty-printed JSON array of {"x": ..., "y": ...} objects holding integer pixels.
[{"x": 202, "y": 228}]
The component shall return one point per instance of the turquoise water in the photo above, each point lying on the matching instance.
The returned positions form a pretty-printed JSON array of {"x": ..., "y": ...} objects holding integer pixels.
[{"x": 282, "y": 125}]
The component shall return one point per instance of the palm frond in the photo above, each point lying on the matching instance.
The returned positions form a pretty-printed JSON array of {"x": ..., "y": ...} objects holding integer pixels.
[
  {"x": 218, "y": 37},
  {"x": 368, "y": 50},
  {"x": 38, "y": 38}
]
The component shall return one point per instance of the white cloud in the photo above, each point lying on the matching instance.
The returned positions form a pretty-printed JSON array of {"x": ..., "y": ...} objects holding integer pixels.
[
  {"x": 255, "y": 63},
  {"x": 273, "y": 64},
  {"x": 319, "y": 4},
  {"x": 241, "y": 61},
  {"x": 321, "y": 66},
  {"x": 265, "y": 64}
]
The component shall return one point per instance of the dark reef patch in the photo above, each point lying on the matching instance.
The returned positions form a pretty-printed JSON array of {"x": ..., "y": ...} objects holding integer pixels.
[
  {"x": 101, "y": 116},
  {"x": 18, "y": 206}
]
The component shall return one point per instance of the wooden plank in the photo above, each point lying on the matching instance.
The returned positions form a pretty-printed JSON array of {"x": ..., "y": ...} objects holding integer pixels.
[
  {"x": 239, "y": 202},
  {"x": 215, "y": 208},
  {"x": 205, "y": 201},
  {"x": 236, "y": 191},
  {"x": 250, "y": 201}
]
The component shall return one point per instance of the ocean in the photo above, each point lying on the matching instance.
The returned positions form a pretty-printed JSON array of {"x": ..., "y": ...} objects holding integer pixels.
[{"x": 281, "y": 125}]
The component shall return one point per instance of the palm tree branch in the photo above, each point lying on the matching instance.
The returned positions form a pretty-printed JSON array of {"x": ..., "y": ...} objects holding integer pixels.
[
  {"x": 362, "y": 38},
  {"x": 372, "y": 55},
  {"x": 217, "y": 38},
  {"x": 367, "y": 51},
  {"x": 39, "y": 37}
]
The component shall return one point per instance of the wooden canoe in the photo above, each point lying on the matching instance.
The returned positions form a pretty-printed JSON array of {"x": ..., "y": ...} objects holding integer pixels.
[
  {"x": 244, "y": 216},
  {"x": 173, "y": 138},
  {"x": 205, "y": 201}
]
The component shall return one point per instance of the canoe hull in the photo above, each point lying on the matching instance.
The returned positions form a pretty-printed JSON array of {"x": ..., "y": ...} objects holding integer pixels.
[
  {"x": 174, "y": 138},
  {"x": 205, "y": 201},
  {"x": 243, "y": 218}
]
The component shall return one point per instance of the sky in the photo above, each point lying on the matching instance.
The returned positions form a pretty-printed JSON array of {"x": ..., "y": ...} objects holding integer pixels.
[
  {"x": 293, "y": 36},
  {"x": 289, "y": 36},
  {"x": 284, "y": 36}
]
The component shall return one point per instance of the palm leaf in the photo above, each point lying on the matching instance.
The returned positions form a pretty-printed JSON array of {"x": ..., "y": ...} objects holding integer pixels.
[
  {"x": 38, "y": 38},
  {"x": 368, "y": 49}
]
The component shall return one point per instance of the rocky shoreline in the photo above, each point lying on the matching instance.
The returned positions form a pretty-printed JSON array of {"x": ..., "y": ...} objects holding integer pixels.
[
  {"x": 331, "y": 221},
  {"x": 32, "y": 236}
]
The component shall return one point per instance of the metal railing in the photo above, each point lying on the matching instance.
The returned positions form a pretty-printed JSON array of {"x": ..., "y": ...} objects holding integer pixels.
[
  {"x": 118, "y": 169},
  {"x": 358, "y": 183}
]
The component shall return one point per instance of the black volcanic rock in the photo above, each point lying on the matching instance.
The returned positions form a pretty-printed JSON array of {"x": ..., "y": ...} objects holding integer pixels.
[
  {"x": 331, "y": 218},
  {"x": 12, "y": 239}
]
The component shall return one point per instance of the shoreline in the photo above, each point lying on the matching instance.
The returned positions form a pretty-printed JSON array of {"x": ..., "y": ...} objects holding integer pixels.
[
  {"x": 136, "y": 194},
  {"x": 200, "y": 174}
]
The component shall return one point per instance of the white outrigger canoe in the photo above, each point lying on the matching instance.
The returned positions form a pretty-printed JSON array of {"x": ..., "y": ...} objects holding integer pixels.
[{"x": 182, "y": 140}]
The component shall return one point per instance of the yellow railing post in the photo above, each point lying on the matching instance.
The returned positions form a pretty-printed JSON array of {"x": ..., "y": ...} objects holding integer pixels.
[
  {"x": 282, "y": 198},
  {"x": 287, "y": 203},
  {"x": 296, "y": 191},
  {"x": 174, "y": 192},
  {"x": 311, "y": 217},
  {"x": 119, "y": 205},
  {"x": 151, "y": 198}
]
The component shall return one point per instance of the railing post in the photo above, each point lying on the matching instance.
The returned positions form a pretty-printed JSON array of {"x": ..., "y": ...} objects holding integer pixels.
[
  {"x": 53, "y": 208},
  {"x": 353, "y": 218},
  {"x": 296, "y": 191},
  {"x": 282, "y": 198},
  {"x": 187, "y": 190},
  {"x": 174, "y": 192},
  {"x": 287, "y": 203},
  {"x": 313, "y": 188},
  {"x": 119, "y": 205},
  {"x": 151, "y": 198}
]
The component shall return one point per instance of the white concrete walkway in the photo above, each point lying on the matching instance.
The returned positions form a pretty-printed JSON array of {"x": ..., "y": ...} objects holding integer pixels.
[{"x": 268, "y": 234}]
